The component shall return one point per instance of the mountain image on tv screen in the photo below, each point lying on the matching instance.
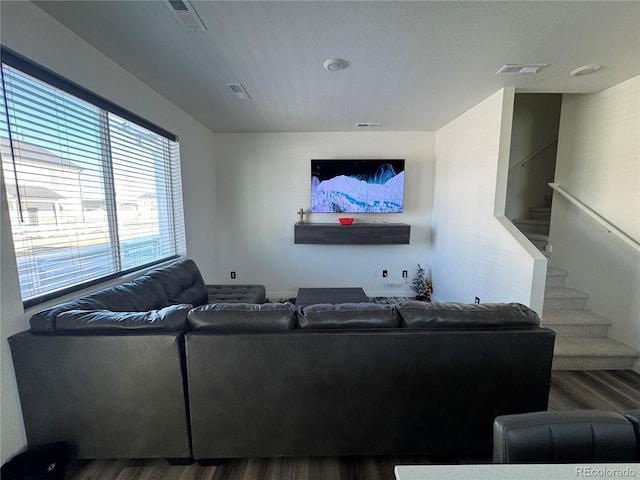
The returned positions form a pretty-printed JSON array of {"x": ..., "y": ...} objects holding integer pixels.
[{"x": 357, "y": 186}]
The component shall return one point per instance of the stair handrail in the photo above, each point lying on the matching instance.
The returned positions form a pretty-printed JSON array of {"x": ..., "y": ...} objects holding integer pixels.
[
  {"x": 534, "y": 154},
  {"x": 596, "y": 216}
]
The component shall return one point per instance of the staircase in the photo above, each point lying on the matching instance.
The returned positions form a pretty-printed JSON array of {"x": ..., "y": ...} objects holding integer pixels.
[{"x": 581, "y": 335}]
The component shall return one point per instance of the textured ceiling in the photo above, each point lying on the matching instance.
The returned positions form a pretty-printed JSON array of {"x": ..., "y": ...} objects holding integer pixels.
[{"x": 413, "y": 66}]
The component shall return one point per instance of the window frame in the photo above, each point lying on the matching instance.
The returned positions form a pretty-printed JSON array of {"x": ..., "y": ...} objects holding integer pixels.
[{"x": 32, "y": 69}]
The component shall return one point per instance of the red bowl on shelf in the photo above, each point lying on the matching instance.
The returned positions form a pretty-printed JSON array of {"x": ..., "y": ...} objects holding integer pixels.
[{"x": 346, "y": 220}]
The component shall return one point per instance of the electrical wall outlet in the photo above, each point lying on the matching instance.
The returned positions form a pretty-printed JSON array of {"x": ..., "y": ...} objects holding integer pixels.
[{"x": 233, "y": 275}]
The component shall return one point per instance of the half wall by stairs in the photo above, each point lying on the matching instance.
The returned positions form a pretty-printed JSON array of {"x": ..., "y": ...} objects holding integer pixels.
[{"x": 581, "y": 335}]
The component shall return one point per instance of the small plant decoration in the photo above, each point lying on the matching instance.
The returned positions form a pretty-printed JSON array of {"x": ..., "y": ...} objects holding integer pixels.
[
  {"x": 422, "y": 285},
  {"x": 427, "y": 295}
]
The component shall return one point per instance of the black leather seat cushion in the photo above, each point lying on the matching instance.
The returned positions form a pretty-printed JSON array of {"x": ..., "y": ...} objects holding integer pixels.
[
  {"x": 461, "y": 315},
  {"x": 347, "y": 316},
  {"x": 563, "y": 437},
  {"x": 243, "y": 316}
]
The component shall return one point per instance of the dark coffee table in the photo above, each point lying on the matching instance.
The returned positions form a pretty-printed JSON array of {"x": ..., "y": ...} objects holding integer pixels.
[{"x": 309, "y": 296}]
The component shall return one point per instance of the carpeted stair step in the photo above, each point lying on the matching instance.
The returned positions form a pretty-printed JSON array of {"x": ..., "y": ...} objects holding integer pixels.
[
  {"x": 540, "y": 213},
  {"x": 559, "y": 297},
  {"x": 532, "y": 225},
  {"x": 576, "y": 323},
  {"x": 556, "y": 276},
  {"x": 540, "y": 240},
  {"x": 577, "y": 353}
]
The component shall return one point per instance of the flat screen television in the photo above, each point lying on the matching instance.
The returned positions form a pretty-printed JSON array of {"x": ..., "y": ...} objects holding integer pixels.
[{"x": 357, "y": 186}]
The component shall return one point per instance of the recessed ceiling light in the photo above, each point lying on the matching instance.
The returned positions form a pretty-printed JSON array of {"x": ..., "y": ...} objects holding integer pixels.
[
  {"x": 335, "y": 64},
  {"x": 520, "y": 69},
  {"x": 584, "y": 70}
]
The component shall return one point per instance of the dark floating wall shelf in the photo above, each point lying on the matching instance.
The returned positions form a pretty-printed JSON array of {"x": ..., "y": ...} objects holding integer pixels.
[{"x": 356, "y": 234}]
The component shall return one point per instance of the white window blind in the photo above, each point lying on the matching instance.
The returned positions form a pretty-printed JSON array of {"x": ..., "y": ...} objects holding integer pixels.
[{"x": 91, "y": 194}]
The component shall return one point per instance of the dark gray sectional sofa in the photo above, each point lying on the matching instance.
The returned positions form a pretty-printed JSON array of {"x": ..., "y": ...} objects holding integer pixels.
[{"x": 194, "y": 378}]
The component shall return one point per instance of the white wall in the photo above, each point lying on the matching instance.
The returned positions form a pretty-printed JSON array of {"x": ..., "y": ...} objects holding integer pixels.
[
  {"x": 476, "y": 251},
  {"x": 599, "y": 163},
  {"x": 11, "y": 321},
  {"x": 30, "y": 32},
  {"x": 263, "y": 179}
]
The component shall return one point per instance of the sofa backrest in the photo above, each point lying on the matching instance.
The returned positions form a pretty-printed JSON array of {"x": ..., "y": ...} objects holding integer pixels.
[
  {"x": 360, "y": 391},
  {"x": 437, "y": 315},
  {"x": 182, "y": 283},
  {"x": 173, "y": 317},
  {"x": 177, "y": 284},
  {"x": 347, "y": 316},
  {"x": 358, "y": 316},
  {"x": 243, "y": 316}
]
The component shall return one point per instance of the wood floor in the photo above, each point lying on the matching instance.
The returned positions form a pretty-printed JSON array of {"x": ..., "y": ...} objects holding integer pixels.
[{"x": 607, "y": 390}]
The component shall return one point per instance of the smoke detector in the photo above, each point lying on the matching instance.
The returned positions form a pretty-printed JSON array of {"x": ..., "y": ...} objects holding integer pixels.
[
  {"x": 335, "y": 64},
  {"x": 186, "y": 15},
  {"x": 584, "y": 70},
  {"x": 521, "y": 69}
]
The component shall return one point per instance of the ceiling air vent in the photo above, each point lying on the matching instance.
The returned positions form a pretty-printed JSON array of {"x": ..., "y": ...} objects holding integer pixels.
[
  {"x": 521, "y": 69},
  {"x": 239, "y": 91},
  {"x": 368, "y": 125},
  {"x": 186, "y": 15}
]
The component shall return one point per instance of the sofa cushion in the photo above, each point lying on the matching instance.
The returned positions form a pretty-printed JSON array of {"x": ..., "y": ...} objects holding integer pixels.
[
  {"x": 347, "y": 316},
  {"x": 182, "y": 283},
  {"x": 243, "y": 316},
  {"x": 106, "y": 299},
  {"x": 139, "y": 295},
  {"x": 417, "y": 314},
  {"x": 169, "y": 318},
  {"x": 146, "y": 294},
  {"x": 236, "y": 293}
]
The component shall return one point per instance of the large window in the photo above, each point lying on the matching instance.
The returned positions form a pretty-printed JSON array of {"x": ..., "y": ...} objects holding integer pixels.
[{"x": 93, "y": 191}]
